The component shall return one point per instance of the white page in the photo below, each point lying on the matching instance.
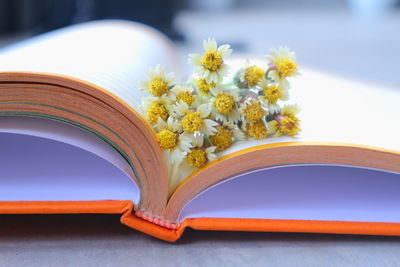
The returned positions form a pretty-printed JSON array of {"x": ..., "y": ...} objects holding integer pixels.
[
  {"x": 36, "y": 168},
  {"x": 313, "y": 192},
  {"x": 114, "y": 55},
  {"x": 63, "y": 133}
]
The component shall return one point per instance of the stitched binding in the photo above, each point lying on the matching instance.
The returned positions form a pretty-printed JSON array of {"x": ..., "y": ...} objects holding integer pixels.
[{"x": 157, "y": 220}]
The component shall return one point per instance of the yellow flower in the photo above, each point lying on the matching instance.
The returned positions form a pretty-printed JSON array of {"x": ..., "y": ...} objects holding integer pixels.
[
  {"x": 200, "y": 154},
  {"x": 256, "y": 129},
  {"x": 284, "y": 63},
  {"x": 155, "y": 107},
  {"x": 170, "y": 140},
  {"x": 197, "y": 158},
  {"x": 253, "y": 111},
  {"x": 223, "y": 104},
  {"x": 195, "y": 120},
  {"x": 271, "y": 93},
  {"x": 203, "y": 86},
  {"x": 251, "y": 75},
  {"x": 159, "y": 83},
  {"x": 210, "y": 65},
  {"x": 166, "y": 139},
  {"x": 286, "y": 123},
  {"x": 184, "y": 93},
  {"x": 222, "y": 139},
  {"x": 289, "y": 125},
  {"x": 192, "y": 122},
  {"x": 225, "y": 135}
]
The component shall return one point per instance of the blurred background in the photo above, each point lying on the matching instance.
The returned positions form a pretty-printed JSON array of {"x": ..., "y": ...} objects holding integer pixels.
[{"x": 357, "y": 38}]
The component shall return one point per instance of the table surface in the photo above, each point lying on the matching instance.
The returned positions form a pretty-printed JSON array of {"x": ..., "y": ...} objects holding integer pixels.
[{"x": 93, "y": 240}]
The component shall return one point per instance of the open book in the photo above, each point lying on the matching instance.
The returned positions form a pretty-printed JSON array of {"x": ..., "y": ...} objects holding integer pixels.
[{"x": 73, "y": 140}]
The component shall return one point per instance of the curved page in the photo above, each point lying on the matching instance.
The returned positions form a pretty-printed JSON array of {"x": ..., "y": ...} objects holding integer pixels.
[
  {"x": 40, "y": 169},
  {"x": 64, "y": 133},
  {"x": 114, "y": 55},
  {"x": 318, "y": 192}
]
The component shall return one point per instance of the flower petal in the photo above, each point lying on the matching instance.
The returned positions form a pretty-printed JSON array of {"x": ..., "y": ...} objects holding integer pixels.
[
  {"x": 238, "y": 135},
  {"x": 225, "y": 50},
  {"x": 184, "y": 143},
  {"x": 161, "y": 124},
  {"x": 180, "y": 108},
  {"x": 208, "y": 127},
  {"x": 210, "y": 153},
  {"x": 204, "y": 110}
]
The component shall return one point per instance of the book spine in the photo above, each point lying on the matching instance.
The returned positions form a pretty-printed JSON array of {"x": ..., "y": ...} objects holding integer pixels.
[{"x": 157, "y": 220}]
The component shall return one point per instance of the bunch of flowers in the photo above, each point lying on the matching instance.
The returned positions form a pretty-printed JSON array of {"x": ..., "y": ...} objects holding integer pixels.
[{"x": 196, "y": 119}]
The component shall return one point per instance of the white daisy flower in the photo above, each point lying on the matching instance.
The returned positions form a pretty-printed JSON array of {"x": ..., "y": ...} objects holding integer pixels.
[
  {"x": 202, "y": 86},
  {"x": 183, "y": 92},
  {"x": 175, "y": 145},
  {"x": 225, "y": 135},
  {"x": 257, "y": 129},
  {"x": 195, "y": 120},
  {"x": 210, "y": 65},
  {"x": 252, "y": 110},
  {"x": 250, "y": 75},
  {"x": 199, "y": 157},
  {"x": 283, "y": 63},
  {"x": 159, "y": 82},
  {"x": 155, "y": 107},
  {"x": 270, "y": 94},
  {"x": 286, "y": 123},
  {"x": 224, "y": 104}
]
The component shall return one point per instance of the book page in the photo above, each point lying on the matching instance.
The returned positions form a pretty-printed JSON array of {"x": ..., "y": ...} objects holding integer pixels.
[
  {"x": 37, "y": 168},
  {"x": 63, "y": 133},
  {"x": 114, "y": 55},
  {"x": 313, "y": 192}
]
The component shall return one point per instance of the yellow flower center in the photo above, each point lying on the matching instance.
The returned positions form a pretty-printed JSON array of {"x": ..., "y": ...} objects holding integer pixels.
[
  {"x": 185, "y": 96},
  {"x": 289, "y": 125},
  {"x": 191, "y": 122},
  {"x": 158, "y": 86},
  {"x": 156, "y": 111},
  {"x": 211, "y": 60},
  {"x": 224, "y": 103},
  {"x": 166, "y": 139},
  {"x": 197, "y": 157},
  {"x": 257, "y": 130},
  {"x": 222, "y": 138},
  {"x": 253, "y": 111},
  {"x": 285, "y": 67},
  {"x": 252, "y": 75},
  {"x": 272, "y": 93},
  {"x": 203, "y": 86}
]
